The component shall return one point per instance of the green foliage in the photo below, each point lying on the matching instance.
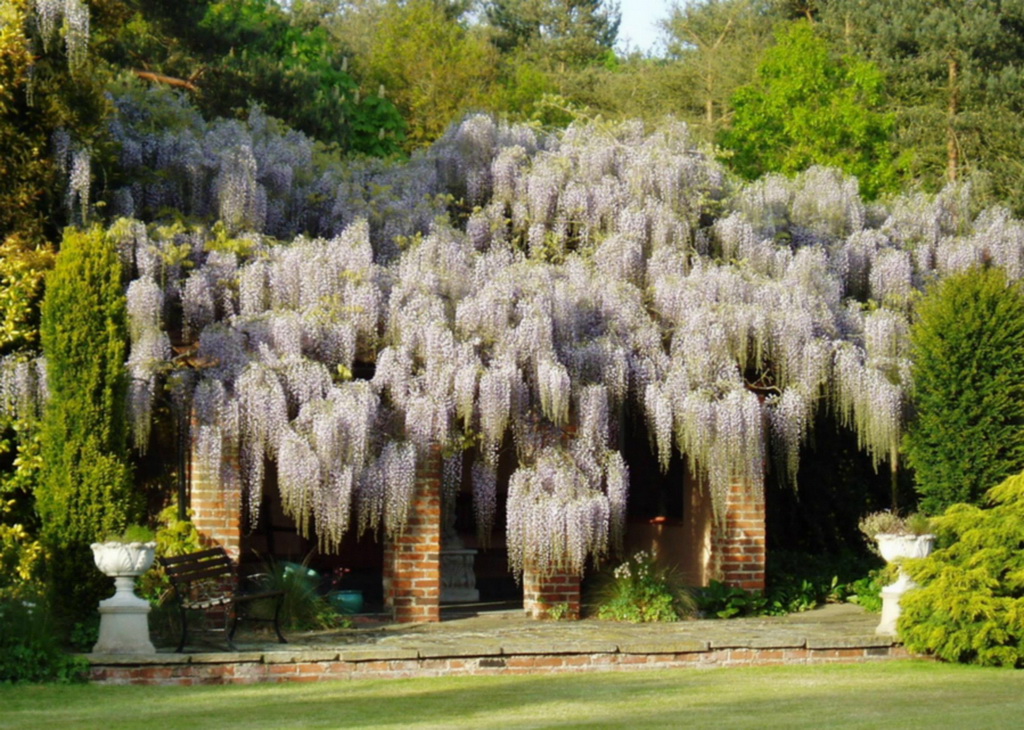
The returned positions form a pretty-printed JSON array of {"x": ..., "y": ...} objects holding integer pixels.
[
  {"x": 132, "y": 533},
  {"x": 809, "y": 108},
  {"x": 954, "y": 73},
  {"x": 29, "y": 648},
  {"x": 20, "y": 558},
  {"x": 642, "y": 590},
  {"x": 867, "y": 591},
  {"x": 303, "y": 607},
  {"x": 559, "y": 33},
  {"x": 717, "y": 45},
  {"x": 85, "y": 487},
  {"x": 433, "y": 67},
  {"x": 718, "y": 600},
  {"x": 970, "y": 606},
  {"x": 22, "y": 270},
  {"x": 39, "y": 94},
  {"x": 968, "y": 374},
  {"x": 173, "y": 537},
  {"x": 289, "y": 64},
  {"x": 796, "y": 582}
]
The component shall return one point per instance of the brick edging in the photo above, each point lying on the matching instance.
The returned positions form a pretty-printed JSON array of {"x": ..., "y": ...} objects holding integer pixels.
[{"x": 313, "y": 666}]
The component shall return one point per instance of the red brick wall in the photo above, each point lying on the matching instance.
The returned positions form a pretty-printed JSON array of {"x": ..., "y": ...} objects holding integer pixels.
[
  {"x": 412, "y": 561},
  {"x": 321, "y": 666},
  {"x": 542, "y": 594},
  {"x": 738, "y": 540},
  {"x": 216, "y": 501}
]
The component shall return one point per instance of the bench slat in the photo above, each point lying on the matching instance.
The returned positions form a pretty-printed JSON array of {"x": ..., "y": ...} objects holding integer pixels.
[
  {"x": 217, "y": 552},
  {"x": 188, "y": 574}
]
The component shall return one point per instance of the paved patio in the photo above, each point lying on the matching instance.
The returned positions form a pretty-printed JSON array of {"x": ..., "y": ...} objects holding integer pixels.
[{"x": 505, "y": 641}]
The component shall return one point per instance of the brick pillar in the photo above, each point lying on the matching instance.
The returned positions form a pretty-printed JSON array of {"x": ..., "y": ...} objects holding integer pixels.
[
  {"x": 558, "y": 591},
  {"x": 412, "y": 561},
  {"x": 216, "y": 501},
  {"x": 738, "y": 540}
]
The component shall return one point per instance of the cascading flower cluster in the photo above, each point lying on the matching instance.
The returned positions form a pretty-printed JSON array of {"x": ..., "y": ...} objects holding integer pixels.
[{"x": 597, "y": 269}]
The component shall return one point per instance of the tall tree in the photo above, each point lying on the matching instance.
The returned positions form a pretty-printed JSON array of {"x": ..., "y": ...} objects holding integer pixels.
[
  {"x": 957, "y": 81},
  {"x": 568, "y": 33},
  {"x": 807, "y": 108},
  {"x": 718, "y": 44},
  {"x": 85, "y": 489},
  {"x": 430, "y": 63},
  {"x": 968, "y": 372}
]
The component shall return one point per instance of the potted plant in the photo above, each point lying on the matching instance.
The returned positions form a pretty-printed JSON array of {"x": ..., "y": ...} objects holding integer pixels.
[
  {"x": 345, "y": 601},
  {"x": 124, "y": 628},
  {"x": 895, "y": 537},
  {"x": 127, "y": 554}
]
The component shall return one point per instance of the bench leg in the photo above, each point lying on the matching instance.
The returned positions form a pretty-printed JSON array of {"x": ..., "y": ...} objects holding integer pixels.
[
  {"x": 232, "y": 627},
  {"x": 184, "y": 628},
  {"x": 277, "y": 623}
]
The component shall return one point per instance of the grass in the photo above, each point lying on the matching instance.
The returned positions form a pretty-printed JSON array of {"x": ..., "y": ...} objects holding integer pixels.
[{"x": 903, "y": 694}]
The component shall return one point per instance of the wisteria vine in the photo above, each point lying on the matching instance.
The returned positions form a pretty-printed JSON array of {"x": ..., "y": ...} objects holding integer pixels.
[{"x": 604, "y": 268}]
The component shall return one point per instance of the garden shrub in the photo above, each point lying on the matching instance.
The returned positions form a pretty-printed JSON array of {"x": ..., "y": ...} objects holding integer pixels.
[
  {"x": 968, "y": 392},
  {"x": 970, "y": 606},
  {"x": 641, "y": 591},
  {"x": 30, "y": 650},
  {"x": 85, "y": 487}
]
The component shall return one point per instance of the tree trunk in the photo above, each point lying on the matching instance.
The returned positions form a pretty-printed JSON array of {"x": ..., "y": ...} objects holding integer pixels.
[{"x": 952, "y": 149}]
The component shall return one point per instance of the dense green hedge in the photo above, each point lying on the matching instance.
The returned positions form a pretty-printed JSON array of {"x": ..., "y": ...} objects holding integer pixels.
[
  {"x": 85, "y": 491},
  {"x": 968, "y": 372},
  {"x": 970, "y": 607}
]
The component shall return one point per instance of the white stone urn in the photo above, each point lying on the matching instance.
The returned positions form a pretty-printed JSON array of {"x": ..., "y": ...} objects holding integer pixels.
[
  {"x": 894, "y": 548},
  {"x": 124, "y": 617}
]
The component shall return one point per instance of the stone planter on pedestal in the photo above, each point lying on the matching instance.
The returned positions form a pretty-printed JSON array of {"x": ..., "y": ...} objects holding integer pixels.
[
  {"x": 124, "y": 617},
  {"x": 894, "y": 547}
]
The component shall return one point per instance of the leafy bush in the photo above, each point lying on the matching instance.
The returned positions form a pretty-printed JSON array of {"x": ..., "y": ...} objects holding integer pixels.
[
  {"x": 970, "y": 606},
  {"x": 29, "y": 649},
  {"x": 796, "y": 582},
  {"x": 641, "y": 590},
  {"x": 718, "y": 600},
  {"x": 303, "y": 608},
  {"x": 968, "y": 374},
  {"x": 20, "y": 558},
  {"x": 867, "y": 591}
]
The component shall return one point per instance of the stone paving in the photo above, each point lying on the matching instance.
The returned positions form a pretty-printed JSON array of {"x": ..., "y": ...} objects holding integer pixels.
[
  {"x": 507, "y": 642},
  {"x": 510, "y": 632}
]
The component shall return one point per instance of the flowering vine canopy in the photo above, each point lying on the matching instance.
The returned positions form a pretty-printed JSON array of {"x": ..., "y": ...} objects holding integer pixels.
[{"x": 511, "y": 283}]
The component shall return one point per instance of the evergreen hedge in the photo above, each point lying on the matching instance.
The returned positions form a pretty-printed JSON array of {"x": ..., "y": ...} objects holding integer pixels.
[
  {"x": 967, "y": 433},
  {"x": 970, "y": 607},
  {"x": 85, "y": 491}
]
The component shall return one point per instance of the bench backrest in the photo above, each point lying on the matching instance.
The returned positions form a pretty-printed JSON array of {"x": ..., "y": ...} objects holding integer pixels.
[{"x": 202, "y": 565}]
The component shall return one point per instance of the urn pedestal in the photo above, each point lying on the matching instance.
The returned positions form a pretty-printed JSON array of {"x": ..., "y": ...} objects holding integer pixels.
[
  {"x": 124, "y": 617},
  {"x": 894, "y": 547}
]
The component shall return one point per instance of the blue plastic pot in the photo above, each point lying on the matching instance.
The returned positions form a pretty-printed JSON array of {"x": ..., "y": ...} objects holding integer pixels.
[{"x": 346, "y": 602}]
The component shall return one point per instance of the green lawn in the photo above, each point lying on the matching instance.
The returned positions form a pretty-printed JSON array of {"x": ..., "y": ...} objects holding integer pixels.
[{"x": 903, "y": 694}]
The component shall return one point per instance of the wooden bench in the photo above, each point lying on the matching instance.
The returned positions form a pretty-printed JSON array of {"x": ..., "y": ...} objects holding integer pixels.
[{"x": 206, "y": 580}]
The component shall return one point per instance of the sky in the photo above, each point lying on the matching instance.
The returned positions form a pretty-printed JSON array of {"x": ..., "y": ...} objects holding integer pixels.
[{"x": 638, "y": 23}]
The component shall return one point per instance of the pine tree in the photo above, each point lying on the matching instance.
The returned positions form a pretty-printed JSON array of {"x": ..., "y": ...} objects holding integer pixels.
[
  {"x": 955, "y": 80},
  {"x": 566, "y": 32}
]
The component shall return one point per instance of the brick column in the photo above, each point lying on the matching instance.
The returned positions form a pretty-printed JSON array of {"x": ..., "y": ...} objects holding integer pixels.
[
  {"x": 412, "y": 561},
  {"x": 542, "y": 593},
  {"x": 738, "y": 540},
  {"x": 216, "y": 501}
]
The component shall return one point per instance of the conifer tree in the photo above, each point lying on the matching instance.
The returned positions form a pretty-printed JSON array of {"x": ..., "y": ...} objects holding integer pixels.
[
  {"x": 85, "y": 491},
  {"x": 968, "y": 374}
]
